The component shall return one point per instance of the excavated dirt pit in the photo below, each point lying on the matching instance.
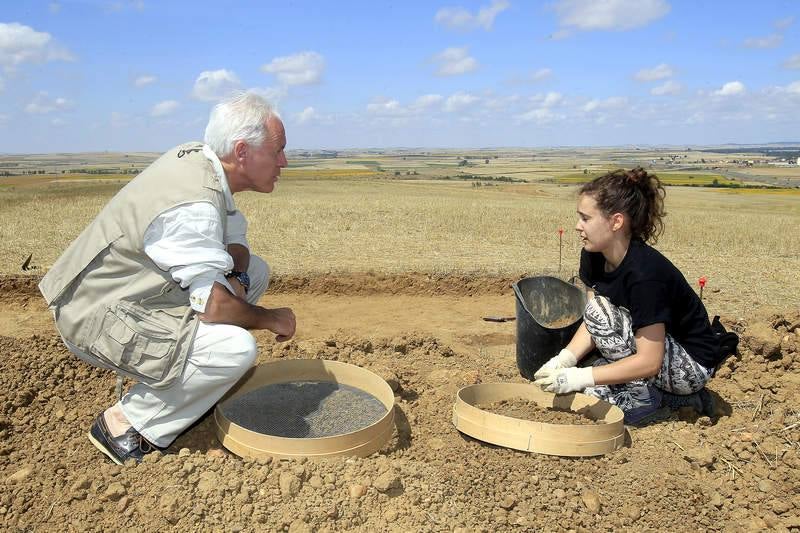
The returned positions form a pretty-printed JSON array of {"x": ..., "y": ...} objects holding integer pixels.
[
  {"x": 528, "y": 410},
  {"x": 738, "y": 471}
]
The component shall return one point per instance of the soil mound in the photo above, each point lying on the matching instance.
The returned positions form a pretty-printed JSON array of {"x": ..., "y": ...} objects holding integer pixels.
[
  {"x": 738, "y": 471},
  {"x": 20, "y": 288}
]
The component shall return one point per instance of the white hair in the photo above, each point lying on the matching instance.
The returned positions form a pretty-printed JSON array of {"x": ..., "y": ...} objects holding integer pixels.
[{"x": 242, "y": 117}]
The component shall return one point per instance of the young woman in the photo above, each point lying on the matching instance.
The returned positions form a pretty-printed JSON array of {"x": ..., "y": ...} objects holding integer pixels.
[{"x": 651, "y": 329}]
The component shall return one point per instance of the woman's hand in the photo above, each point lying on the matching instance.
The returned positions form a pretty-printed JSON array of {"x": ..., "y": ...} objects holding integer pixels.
[
  {"x": 564, "y": 380},
  {"x": 564, "y": 359}
]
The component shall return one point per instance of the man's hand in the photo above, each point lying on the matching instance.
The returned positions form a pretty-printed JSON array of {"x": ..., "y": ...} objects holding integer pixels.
[
  {"x": 223, "y": 307},
  {"x": 564, "y": 359},
  {"x": 564, "y": 380},
  {"x": 284, "y": 323}
]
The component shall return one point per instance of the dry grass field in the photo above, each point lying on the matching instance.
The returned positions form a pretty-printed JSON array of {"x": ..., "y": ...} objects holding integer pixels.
[
  {"x": 744, "y": 241},
  {"x": 392, "y": 272}
]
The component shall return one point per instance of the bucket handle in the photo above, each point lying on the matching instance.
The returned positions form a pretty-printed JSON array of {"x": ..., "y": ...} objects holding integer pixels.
[{"x": 519, "y": 297}]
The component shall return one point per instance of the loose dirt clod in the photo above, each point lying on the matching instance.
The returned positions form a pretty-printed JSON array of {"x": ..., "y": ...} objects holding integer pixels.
[
  {"x": 591, "y": 500},
  {"x": 530, "y": 410}
]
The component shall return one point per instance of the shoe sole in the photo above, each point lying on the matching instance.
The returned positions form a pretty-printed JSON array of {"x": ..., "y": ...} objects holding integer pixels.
[{"x": 103, "y": 449}]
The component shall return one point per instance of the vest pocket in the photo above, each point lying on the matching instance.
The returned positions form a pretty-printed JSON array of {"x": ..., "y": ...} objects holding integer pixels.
[{"x": 131, "y": 340}]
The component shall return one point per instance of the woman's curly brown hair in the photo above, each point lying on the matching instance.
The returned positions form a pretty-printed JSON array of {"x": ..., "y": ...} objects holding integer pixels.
[{"x": 634, "y": 193}]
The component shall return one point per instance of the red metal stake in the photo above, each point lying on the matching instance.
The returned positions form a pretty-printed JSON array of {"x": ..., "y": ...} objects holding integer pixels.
[
  {"x": 702, "y": 283},
  {"x": 560, "y": 234}
]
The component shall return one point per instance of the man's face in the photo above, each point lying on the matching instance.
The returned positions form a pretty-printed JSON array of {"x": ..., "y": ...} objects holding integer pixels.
[{"x": 263, "y": 163}]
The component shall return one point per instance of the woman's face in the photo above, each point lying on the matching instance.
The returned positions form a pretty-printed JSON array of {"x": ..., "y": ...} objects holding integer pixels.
[{"x": 595, "y": 228}]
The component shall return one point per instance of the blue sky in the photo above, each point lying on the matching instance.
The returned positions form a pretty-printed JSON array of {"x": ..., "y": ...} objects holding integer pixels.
[{"x": 92, "y": 75}]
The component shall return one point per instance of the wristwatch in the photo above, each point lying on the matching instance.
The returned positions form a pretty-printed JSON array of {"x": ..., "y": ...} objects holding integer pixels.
[{"x": 241, "y": 277}]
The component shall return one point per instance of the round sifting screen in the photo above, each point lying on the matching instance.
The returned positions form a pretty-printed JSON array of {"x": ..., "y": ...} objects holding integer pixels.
[{"x": 304, "y": 409}]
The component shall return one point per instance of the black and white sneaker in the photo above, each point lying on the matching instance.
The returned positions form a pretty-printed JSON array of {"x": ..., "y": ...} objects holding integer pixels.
[{"x": 119, "y": 449}]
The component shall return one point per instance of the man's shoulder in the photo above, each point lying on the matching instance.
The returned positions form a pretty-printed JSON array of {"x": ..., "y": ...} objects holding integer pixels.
[
  {"x": 183, "y": 156},
  {"x": 191, "y": 148}
]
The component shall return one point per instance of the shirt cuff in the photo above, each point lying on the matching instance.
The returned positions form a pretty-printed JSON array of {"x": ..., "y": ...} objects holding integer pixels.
[{"x": 200, "y": 290}]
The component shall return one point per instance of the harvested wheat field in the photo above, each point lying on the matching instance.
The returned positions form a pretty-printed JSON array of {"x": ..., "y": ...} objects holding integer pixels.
[
  {"x": 424, "y": 335},
  {"x": 395, "y": 277}
]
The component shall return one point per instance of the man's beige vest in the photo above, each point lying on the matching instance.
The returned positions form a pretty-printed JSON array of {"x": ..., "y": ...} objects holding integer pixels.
[{"x": 109, "y": 299}]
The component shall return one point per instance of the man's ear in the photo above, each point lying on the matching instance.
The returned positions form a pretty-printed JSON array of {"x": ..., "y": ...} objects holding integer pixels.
[{"x": 240, "y": 150}]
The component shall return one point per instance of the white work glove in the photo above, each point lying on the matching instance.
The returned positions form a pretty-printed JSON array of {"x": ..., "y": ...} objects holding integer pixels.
[
  {"x": 564, "y": 359},
  {"x": 564, "y": 380}
]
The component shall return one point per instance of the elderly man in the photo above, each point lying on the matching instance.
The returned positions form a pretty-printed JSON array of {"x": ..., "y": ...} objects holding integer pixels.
[{"x": 161, "y": 286}]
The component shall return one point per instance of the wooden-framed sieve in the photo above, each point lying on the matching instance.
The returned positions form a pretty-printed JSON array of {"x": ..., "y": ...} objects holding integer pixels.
[
  {"x": 281, "y": 396},
  {"x": 572, "y": 440}
]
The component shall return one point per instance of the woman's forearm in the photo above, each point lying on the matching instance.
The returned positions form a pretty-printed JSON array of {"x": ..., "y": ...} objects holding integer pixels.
[
  {"x": 625, "y": 370},
  {"x": 581, "y": 343}
]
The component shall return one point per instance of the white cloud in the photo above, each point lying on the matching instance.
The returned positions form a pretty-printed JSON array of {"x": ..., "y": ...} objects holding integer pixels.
[
  {"x": 454, "y": 61},
  {"x": 271, "y": 94},
  {"x": 213, "y": 85},
  {"x": 793, "y": 62},
  {"x": 54, "y": 8},
  {"x": 458, "y": 18},
  {"x": 541, "y": 74},
  {"x": 669, "y": 87},
  {"x": 58, "y": 122},
  {"x": 552, "y": 99},
  {"x": 459, "y": 101},
  {"x": 427, "y": 101},
  {"x": 794, "y": 87},
  {"x": 782, "y": 24},
  {"x": 164, "y": 108},
  {"x": 22, "y": 44},
  {"x": 500, "y": 103},
  {"x": 541, "y": 115},
  {"x": 534, "y": 76},
  {"x": 306, "y": 115},
  {"x": 613, "y": 102},
  {"x": 385, "y": 106},
  {"x": 770, "y": 41},
  {"x": 304, "y": 68},
  {"x": 609, "y": 14},
  {"x": 43, "y": 104},
  {"x": 732, "y": 88},
  {"x": 146, "y": 79},
  {"x": 659, "y": 72},
  {"x": 3, "y": 119}
]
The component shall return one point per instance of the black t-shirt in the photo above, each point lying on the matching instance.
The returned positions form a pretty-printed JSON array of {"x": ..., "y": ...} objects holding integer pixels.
[{"x": 654, "y": 290}]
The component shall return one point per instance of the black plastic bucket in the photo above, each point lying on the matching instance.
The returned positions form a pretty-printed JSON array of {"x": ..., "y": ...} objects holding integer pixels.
[{"x": 549, "y": 311}]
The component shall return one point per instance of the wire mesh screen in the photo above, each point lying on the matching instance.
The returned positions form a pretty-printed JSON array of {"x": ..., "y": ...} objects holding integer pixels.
[{"x": 304, "y": 409}]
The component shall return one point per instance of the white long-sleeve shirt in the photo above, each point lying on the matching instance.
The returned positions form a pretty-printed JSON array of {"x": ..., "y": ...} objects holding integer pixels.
[{"x": 188, "y": 241}]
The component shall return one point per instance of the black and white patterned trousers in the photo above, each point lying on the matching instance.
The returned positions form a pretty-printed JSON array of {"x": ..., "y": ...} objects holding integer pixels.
[{"x": 612, "y": 332}]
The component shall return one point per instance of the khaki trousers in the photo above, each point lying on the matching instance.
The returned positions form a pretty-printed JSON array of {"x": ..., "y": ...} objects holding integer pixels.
[{"x": 220, "y": 355}]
